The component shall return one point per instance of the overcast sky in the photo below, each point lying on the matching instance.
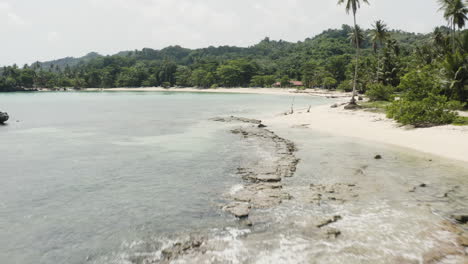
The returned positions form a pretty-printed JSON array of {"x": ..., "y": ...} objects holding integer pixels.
[{"x": 42, "y": 30}]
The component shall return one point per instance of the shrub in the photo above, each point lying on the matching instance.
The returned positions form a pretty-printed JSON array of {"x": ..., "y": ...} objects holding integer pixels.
[
  {"x": 418, "y": 83},
  {"x": 345, "y": 86},
  {"x": 380, "y": 92},
  {"x": 329, "y": 82},
  {"x": 430, "y": 111}
]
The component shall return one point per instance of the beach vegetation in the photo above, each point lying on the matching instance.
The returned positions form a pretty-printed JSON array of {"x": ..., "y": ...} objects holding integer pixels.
[
  {"x": 380, "y": 92},
  {"x": 432, "y": 110},
  {"x": 460, "y": 121}
]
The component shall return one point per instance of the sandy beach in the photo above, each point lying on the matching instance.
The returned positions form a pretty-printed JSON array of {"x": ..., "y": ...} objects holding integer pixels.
[{"x": 447, "y": 141}]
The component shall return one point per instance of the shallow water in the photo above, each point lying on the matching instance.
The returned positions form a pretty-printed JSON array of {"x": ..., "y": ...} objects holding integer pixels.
[
  {"x": 381, "y": 220},
  {"x": 85, "y": 176},
  {"x": 117, "y": 177}
]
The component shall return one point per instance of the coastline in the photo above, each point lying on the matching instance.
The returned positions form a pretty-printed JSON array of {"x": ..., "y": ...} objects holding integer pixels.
[
  {"x": 266, "y": 91},
  {"x": 352, "y": 204},
  {"x": 447, "y": 141}
]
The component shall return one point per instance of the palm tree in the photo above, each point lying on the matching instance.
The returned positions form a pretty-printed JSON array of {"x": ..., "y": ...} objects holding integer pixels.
[
  {"x": 356, "y": 37},
  {"x": 455, "y": 12},
  {"x": 440, "y": 41},
  {"x": 378, "y": 35},
  {"x": 354, "y": 5}
]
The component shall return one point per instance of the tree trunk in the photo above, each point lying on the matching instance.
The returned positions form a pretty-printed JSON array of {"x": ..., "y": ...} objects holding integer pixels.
[
  {"x": 453, "y": 37},
  {"x": 378, "y": 65},
  {"x": 353, "y": 99}
]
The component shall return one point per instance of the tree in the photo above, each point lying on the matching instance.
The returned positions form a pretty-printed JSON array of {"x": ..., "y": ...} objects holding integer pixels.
[
  {"x": 455, "y": 67},
  {"x": 354, "y": 5},
  {"x": 356, "y": 37},
  {"x": 329, "y": 82},
  {"x": 378, "y": 35},
  {"x": 308, "y": 73},
  {"x": 183, "y": 74},
  {"x": 285, "y": 82},
  {"x": 455, "y": 12},
  {"x": 202, "y": 78},
  {"x": 229, "y": 75},
  {"x": 390, "y": 63},
  {"x": 258, "y": 81}
]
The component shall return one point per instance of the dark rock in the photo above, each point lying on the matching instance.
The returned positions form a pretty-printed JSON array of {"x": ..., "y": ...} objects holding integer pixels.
[
  {"x": 333, "y": 233},
  {"x": 328, "y": 221},
  {"x": 334, "y": 106},
  {"x": 4, "y": 117},
  {"x": 378, "y": 157},
  {"x": 360, "y": 98},
  {"x": 261, "y": 126},
  {"x": 461, "y": 218},
  {"x": 352, "y": 106},
  {"x": 423, "y": 185}
]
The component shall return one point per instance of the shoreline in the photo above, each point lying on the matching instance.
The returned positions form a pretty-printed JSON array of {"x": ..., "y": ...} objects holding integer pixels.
[
  {"x": 327, "y": 210},
  {"x": 447, "y": 141},
  {"x": 236, "y": 90}
]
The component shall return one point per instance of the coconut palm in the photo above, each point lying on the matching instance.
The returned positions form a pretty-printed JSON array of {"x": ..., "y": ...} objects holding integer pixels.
[
  {"x": 455, "y": 12},
  {"x": 378, "y": 35},
  {"x": 356, "y": 37},
  {"x": 354, "y": 5}
]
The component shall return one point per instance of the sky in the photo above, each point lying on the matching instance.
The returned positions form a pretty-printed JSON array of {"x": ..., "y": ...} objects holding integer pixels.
[{"x": 43, "y": 30}]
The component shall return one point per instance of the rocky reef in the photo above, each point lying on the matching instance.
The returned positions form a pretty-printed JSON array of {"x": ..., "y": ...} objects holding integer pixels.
[{"x": 262, "y": 187}]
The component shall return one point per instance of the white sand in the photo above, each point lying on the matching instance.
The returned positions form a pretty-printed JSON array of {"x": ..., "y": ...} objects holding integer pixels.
[{"x": 446, "y": 141}]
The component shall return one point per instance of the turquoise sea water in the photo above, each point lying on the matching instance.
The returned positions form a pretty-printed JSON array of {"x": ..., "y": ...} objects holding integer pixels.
[{"x": 85, "y": 173}]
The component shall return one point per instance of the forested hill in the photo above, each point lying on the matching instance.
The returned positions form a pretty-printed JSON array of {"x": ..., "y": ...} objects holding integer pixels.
[
  {"x": 324, "y": 60},
  {"x": 70, "y": 61}
]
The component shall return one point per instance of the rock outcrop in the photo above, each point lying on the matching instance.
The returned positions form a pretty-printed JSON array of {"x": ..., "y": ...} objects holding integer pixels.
[
  {"x": 262, "y": 187},
  {"x": 4, "y": 117}
]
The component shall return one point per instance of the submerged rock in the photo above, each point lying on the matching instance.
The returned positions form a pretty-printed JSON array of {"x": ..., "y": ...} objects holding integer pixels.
[
  {"x": 327, "y": 221},
  {"x": 332, "y": 233},
  {"x": 237, "y": 119},
  {"x": 336, "y": 193},
  {"x": 181, "y": 248},
  {"x": 238, "y": 209},
  {"x": 4, "y": 117}
]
